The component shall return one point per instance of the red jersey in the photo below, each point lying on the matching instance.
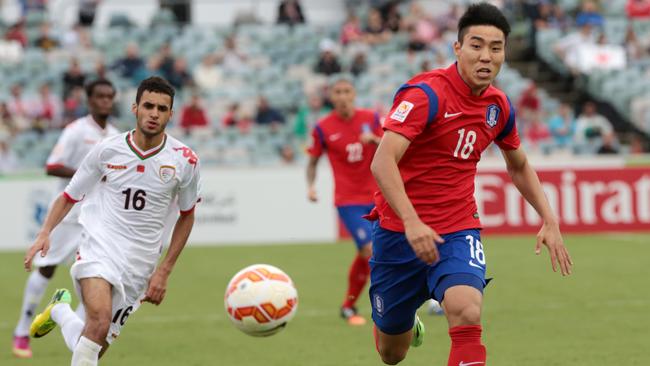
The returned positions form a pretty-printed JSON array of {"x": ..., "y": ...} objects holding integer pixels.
[
  {"x": 349, "y": 157},
  {"x": 448, "y": 128}
]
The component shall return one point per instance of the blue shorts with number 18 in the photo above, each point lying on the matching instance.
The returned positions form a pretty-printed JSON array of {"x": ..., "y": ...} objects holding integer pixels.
[{"x": 401, "y": 282}]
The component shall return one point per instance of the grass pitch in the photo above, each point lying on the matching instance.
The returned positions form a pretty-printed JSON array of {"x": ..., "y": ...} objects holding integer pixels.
[{"x": 532, "y": 317}]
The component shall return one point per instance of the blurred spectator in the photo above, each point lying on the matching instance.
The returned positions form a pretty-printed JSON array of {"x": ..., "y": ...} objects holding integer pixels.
[
  {"x": 71, "y": 37},
  {"x": 590, "y": 127},
  {"x": 7, "y": 125},
  {"x": 567, "y": 47},
  {"x": 45, "y": 41},
  {"x": 359, "y": 64},
  {"x": 27, "y": 6},
  {"x": 562, "y": 126},
  {"x": 634, "y": 49},
  {"x": 166, "y": 60},
  {"x": 375, "y": 31},
  {"x": 207, "y": 75},
  {"x": 308, "y": 115},
  {"x": 235, "y": 118},
  {"x": 193, "y": 114},
  {"x": 74, "y": 106},
  {"x": 328, "y": 62},
  {"x": 637, "y": 9},
  {"x": 267, "y": 115},
  {"x": 17, "y": 33},
  {"x": 180, "y": 77},
  {"x": 129, "y": 65},
  {"x": 287, "y": 153},
  {"x": 637, "y": 145},
  {"x": 231, "y": 58},
  {"x": 421, "y": 28},
  {"x": 529, "y": 105},
  {"x": 18, "y": 108},
  {"x": 391, "y": 16},
  {"x": 73, "y": 77},
  {"x": 351, "y": 30},
  {"x": 87, "y": 11},
  {"x": 290, "y": 12},
  {"x": 537, "y": 134},
  {"x": 608, "y": 145},
  {"x": 589, "y": 14},
  {"x": 8, "y": 160},
  {"x": 448, "y": 21},
  {"x": 100, "y": 70},
  {"x": 49, "y": 108}
]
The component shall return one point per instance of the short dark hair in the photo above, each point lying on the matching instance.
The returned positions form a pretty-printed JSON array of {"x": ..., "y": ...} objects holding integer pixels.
[
  {"x": 90, "y": 87},
  {"x": 155, "y": 84},
  {"x": 482, "y": 14}
]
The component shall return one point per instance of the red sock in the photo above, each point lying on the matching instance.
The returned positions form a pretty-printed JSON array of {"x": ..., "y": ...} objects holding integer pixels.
[
  {"x": 466, "y": 346},
  {"x": 357, "y": 278}
]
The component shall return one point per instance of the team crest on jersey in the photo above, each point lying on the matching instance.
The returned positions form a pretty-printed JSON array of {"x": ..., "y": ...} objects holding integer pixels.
[
  {"x": 492, "y": 115},
  {"x": 167, "y": 173},
  {"x": 402, "y": 111}
]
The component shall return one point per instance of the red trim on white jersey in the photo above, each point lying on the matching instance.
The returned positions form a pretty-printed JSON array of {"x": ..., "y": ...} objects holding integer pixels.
[
  {"x": 187, "y": 212},
  {"x": 70, "y": 199}
]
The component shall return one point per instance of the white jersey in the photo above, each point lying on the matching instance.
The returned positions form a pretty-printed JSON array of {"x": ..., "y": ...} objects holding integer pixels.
[
  {"x": 76, "y": 140},
  {"x": 134, "y": 191}
]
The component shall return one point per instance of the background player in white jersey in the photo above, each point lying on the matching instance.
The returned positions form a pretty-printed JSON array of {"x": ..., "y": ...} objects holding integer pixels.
[
  {"x": 73, "y": 145},
  {"x": 137, "y": 175}
]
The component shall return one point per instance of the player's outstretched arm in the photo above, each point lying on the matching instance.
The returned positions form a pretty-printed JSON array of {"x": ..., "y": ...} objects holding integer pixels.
[
  {"x": 527, "y": 182},
  {"x": 158, "y": 281},
  {"x": 59, "y": 210},
  {"x": 312, "y": 195},
  {"x": 386, "y": 173}
]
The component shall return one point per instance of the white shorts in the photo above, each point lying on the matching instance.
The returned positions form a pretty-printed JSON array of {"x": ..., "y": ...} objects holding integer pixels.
[
  {"x": 127, "y": 290},
  {"x": 64, "y": 241}
]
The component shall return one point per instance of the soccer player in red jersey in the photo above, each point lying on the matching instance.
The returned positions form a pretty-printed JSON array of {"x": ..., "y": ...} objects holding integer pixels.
[
  {"x": 426, "y": 239},
  {"x": 349, "y": 136}
]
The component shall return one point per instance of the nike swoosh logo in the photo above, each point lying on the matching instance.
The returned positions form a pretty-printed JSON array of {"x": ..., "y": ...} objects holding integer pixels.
[
  {"x": 471, "y": 263},
  {"x": 335, "y": 137},
  {"x": 449, "y": 115},
  {"x": 470, "y": 363}
]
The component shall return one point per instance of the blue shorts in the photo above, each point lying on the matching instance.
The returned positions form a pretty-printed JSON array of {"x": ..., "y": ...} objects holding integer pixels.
[
  {"x": 401, "y": 282},
  {"x": 357, "y": 226}
]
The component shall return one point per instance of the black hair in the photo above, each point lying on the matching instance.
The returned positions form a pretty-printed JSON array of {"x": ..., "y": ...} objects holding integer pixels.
[
  {"x": 482, "y": 14},
  {"x": 90, "y": 87},
  {"x": 155, "y": 84}
]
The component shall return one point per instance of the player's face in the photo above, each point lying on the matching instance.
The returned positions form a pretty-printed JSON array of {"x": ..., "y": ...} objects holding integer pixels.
[
  {"x": 480, "y": 55},
  {"x": 100, "y": 102},
  {"x": 342, "y": 95},
  {"x": 152, "y": 113}
]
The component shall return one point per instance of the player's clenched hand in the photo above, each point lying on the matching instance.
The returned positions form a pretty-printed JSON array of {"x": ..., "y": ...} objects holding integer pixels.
[
  {"x": 157, "y": 288},
  {"x": 549, "y": 235},
  {"x": 311, "y": 194},
  {"x": 423, "y": 240},
  {"x": 42, "y": 244}
]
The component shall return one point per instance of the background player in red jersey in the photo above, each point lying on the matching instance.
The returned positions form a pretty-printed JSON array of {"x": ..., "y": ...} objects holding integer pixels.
[
  {"x": 349, "y": 136},
  {"x": 426, "y": 242}
]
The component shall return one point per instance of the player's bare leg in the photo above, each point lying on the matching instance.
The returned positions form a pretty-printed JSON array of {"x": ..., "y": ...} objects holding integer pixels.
[
  {"x": 97, "y": 299},
  {"x": 34, "y": 290},
  {"x": 462, "y": 305},
  {"x": 392, "y": 348},
  {"x": 357, "y": 279}
]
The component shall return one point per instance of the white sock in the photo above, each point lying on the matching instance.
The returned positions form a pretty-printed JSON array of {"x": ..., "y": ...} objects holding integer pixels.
[
  {"x": 81, "y": 312},
  {"x": 86, "y": 353},
  {"x": 34, "y": 290},
  {"x": 71, "y": 325}
]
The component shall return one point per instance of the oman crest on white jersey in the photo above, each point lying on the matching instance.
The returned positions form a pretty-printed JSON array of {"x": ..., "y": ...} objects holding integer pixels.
[{"x": 167, "y": 173}]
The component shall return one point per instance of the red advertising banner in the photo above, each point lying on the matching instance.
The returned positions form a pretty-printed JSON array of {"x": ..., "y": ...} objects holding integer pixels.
[{"x": 585, "y": 200}]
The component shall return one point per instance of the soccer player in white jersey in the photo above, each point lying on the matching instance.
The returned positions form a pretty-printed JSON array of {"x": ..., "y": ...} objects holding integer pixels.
[
  {"x": 75, "y": 142},
  {"x": 136, "y": 176}
]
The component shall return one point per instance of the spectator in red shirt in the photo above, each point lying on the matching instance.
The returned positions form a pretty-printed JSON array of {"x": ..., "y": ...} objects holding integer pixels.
[
  {"x": 193, "y": 115},
  {"x": 638, "y": 8},
  {"x": 17, "y": 33}
]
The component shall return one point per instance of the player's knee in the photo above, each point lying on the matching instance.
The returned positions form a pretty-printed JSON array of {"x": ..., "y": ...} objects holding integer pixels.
[
  {"x": 47, "y": 271},
  {"x": 97, "y": 325},
  {"x": 392, "y": 355},
  {"x": 469, "y": 314}
]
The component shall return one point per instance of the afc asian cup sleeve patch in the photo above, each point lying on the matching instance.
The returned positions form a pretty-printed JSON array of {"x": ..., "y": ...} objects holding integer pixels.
[
  {"x": 402, "y": 111},
  {"x": 492, "y": 115}
]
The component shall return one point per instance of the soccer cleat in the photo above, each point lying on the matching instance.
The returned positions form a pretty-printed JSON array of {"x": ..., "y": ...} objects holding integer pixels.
[
  {"x": 434, "y": 308},
  {"x": 418, "y": 333},
  {"x": 43, "y": 322},
  {"x": 21, "y": 347},
  {"x": 352, "y": 317}
]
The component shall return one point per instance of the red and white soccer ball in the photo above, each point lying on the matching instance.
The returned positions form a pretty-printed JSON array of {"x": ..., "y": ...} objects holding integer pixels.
[{"x": 260, "y": 300}]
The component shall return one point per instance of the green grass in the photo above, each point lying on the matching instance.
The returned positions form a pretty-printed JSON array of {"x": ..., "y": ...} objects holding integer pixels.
[{"x": 532, "y": 317}]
